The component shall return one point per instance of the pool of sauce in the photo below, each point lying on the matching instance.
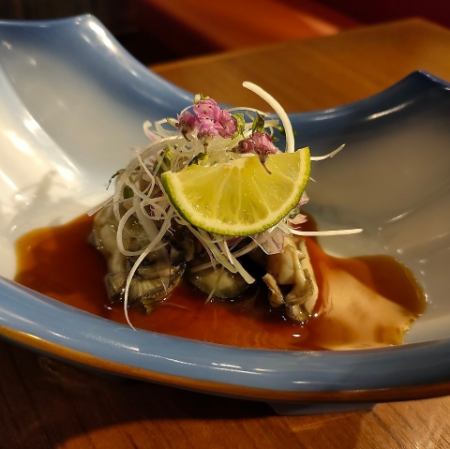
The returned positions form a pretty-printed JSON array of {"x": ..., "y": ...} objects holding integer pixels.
[{"x": 363, "y": 302}]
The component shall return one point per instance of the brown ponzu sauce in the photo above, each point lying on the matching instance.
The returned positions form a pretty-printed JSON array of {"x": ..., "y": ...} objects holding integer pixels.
[{"x": 364, "y": 302}]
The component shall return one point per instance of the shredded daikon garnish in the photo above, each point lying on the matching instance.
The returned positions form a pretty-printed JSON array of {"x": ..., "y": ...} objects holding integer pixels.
[
  {"x": 278, "y": 109},
  {"x": 140, "y": 202},
  {"x": 328, "y": 155}
]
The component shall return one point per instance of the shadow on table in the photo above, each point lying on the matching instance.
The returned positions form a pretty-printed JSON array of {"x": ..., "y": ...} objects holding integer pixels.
[{"x": 45, "y": 403}]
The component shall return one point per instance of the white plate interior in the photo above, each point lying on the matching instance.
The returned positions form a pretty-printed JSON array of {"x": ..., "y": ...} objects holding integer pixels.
[{"x": 66, "y": 127}]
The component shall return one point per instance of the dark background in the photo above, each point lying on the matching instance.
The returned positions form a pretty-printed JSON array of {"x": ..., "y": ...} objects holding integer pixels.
[{"x": 160, "y": 30}]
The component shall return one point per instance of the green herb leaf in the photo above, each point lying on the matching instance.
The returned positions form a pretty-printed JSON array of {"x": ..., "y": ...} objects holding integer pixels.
[
  {"x": 198, "y": 159},
  {"x": 127, "y": 192},
  {"x": 117, "y": 173},
  {"x": 240, "y": 123},
  {"x": 280, "y": 129},
  {"x": 198, "y": 97},
  {"x": 258, "y": 124}
]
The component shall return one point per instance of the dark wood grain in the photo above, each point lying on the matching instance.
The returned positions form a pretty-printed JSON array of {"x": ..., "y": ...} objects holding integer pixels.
[
  {"x": 319, "y": 73},
  {"x": 45, "y": 403}
]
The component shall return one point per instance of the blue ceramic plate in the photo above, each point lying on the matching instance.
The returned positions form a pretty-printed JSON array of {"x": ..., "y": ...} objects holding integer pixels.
[{"x": 72, "y": 100}]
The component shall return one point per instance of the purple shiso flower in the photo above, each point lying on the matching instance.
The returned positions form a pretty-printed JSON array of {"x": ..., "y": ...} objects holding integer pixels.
[
  {"x": 208, "y": 119},
  {"x": 259, "y": 143}
]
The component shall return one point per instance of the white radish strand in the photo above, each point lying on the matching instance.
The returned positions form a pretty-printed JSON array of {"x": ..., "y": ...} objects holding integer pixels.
[
  {"x": 278, "y": 109},
  {"x": 247, "y": 110},
  {"x": 216, "y": 251},
  {"x": 328, "y": 155},
  {"x": 213, "y": 261},
  {"x": 150, "y": 175},
  {"x": 246, "y": 249},
  {"x": 288, "y": 230},
  {"x": 119, "y": 235},
  {"x": 140, "y": 259},
  {"x": 224, "y": 246},
  {"x": 147, "y": 223},
  {"x": 152, "y": 208},
  {"x": 242, "y": 271},
  {"x": 118, "y": 196},
  {"x": 325, "y": 233}
]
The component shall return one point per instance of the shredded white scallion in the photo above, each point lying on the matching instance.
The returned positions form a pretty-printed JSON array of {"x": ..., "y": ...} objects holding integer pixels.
[
  {"x": 278, "y": 109},
  {"x": 138, "y": 262},
  {"x": 140, "y": 201},
  {"x": 328, "y": 155},
  {"x": 325, "y": 233}
]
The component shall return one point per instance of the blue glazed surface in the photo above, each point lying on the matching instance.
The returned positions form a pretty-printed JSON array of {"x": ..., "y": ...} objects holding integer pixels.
[{"x": 118, "y": 83}]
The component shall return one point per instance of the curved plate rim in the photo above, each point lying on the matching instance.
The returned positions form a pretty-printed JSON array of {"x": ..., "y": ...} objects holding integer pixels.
[{"x": 283, "y": 375}]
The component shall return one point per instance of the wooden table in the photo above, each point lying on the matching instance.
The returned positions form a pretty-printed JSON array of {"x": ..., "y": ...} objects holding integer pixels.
[{"x": 48, "y": 404}]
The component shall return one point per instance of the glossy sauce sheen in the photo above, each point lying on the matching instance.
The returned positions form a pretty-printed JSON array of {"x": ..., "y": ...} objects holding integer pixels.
[{"x": 353, "y": 309}]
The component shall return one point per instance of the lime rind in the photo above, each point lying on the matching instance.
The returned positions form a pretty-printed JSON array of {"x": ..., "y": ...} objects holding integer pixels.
[{"x": 173, "y": 186}]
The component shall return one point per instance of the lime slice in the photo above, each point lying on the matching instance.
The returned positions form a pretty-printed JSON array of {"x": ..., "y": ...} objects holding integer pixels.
[{"x": 239, "y": 197}]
